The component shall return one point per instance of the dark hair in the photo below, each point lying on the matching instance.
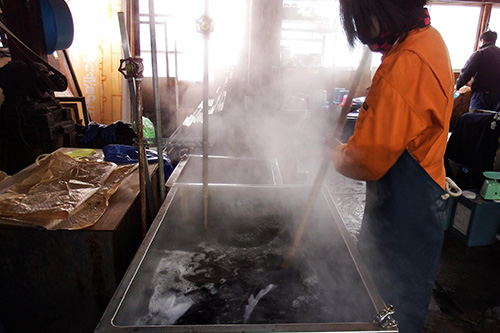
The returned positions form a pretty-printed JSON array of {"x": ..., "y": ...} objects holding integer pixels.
[
  {"x": 393, "y": 17},
  {"x": 489, "y": 36}
]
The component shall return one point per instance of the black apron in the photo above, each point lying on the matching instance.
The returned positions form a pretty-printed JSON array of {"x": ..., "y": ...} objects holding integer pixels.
[{"x": 401, "y": 238}]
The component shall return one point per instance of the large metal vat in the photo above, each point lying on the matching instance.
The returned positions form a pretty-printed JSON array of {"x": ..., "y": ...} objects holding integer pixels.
[
  {"x": 226, "y": 170},
  {"x": 231, "y": 278}
]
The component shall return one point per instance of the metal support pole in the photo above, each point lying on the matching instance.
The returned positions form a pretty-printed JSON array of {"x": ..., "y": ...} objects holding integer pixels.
[
  {"x": 154, "y": 63},
  {"x": 132, "y": 70},
  {"x": 176, "y": 78},
  {"x": 205, "y": 26},
  {"x": 143, "y": 170},
  {"x": 126, "y": 55},
  {"x": 205, "y": 135}
]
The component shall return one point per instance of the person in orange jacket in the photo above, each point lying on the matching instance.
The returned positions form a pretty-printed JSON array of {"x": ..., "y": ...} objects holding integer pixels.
[{"x": 397, "y": 147}]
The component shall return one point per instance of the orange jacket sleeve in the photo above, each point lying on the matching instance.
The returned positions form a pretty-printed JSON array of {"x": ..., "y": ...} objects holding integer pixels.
[
  {"x": 385, "y": 126},
  {"x": 408, "y": 107}
]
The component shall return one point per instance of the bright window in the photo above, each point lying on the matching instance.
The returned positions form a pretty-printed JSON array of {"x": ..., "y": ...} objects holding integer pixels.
[
  {"x": 316, "y": 38},
  {"x": 176, "y": 20},
  {"x": 495, "y": 19},
  {"x": 458, "y": 26},
  {"x": 312, "y": 35}
]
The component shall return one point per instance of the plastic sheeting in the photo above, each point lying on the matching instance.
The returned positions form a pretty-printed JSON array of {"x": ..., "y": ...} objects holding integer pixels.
[{"x": 63, "y": 193}]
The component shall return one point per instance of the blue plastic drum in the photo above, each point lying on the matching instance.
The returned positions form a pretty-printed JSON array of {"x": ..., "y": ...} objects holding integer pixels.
[{"x": 57, "y": 25}]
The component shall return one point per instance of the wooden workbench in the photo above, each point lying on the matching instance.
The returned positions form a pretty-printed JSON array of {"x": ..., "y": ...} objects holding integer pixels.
[{"x": 62, "y": 281}]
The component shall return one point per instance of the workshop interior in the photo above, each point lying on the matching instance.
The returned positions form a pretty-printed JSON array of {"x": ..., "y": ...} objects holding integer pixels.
[{"x": 162, "y": 169}]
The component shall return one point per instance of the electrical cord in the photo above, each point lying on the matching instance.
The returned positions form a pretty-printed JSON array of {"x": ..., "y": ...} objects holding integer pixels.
[{"x": 452, "y": 189}]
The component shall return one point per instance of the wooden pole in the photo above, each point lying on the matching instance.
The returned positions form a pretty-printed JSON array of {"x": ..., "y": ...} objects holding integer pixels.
[{"x": 320, "y": 177}]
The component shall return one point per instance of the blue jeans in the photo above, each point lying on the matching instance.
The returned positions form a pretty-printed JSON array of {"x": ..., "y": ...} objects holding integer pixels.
[{"x": 485, "y": 100}]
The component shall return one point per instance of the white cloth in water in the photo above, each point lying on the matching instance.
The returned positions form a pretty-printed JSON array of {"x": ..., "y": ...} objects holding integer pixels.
[
  {"x": 168, "y": 309},
  {"x": 252, "y": 301}
]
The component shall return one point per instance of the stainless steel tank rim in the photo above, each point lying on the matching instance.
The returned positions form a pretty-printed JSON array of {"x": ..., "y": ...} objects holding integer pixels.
[
  {"x": 168, "y": 142},
  {"x": 179, "y": 169},
  {"x": 347, "y": 327}
]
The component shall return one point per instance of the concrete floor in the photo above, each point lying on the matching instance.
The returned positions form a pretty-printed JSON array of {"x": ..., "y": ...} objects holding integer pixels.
[{"x": 466, "y": 295}]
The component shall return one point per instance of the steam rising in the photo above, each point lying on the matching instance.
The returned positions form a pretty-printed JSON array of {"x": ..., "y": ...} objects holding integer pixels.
[
  {"x": 232, "y": 273},
  {"x": 194, "y": 277}
]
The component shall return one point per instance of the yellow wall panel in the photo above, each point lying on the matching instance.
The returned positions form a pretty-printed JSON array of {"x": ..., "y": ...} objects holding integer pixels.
[{"x": 95, "y": 55}]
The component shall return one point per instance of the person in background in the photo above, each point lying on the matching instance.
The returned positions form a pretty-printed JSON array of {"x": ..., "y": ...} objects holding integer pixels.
[
  {"x": 484, "y": 66},
  {"x": 397, "y": 147}
]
